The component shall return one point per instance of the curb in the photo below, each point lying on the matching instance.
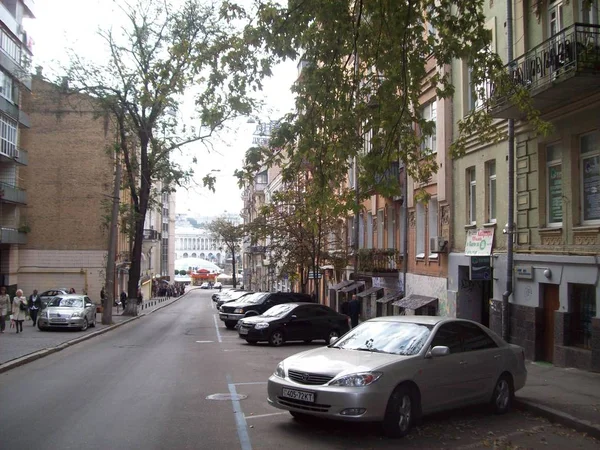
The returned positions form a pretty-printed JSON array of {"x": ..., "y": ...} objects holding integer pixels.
[
  {"x": 17, "y": 362},
  {"x": 554, "y": 415}
]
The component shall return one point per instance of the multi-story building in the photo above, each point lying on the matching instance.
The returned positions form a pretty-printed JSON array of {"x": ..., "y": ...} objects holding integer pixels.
[
  {"x": 555, "y": 301},
  {"x": 69, "y": 181},
  {"x": 15, "y": 58}
]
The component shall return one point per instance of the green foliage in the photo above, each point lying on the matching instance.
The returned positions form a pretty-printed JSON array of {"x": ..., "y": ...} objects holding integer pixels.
[
  {"x": 168, "y": 50},
  {"x": 359, "y": 96}
]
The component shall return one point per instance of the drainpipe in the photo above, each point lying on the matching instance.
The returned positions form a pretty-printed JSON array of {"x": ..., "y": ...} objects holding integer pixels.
[
  {"x": 511, "y": 186},
  {"x": 405, "y": 225}
]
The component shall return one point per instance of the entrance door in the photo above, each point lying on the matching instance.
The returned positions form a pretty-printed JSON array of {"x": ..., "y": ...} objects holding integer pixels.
[{"x": 551, "y": 304}]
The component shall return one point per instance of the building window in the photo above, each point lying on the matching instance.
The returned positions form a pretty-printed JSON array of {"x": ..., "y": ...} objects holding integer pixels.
[
  {"x": 429, "y": 113},
  {"x": 402, "y": 227},
  {"x": 10, "y": 47},
  {"x": 361, "y": 231},
  {"x": 391, "y": 225},
  {"x": 8, "y": 136},
  {"x": 262, "y": 178},
  {"x": 6, "y": 86},
  {"x": 590, "y": 177},
  {"x": 554, "y": 191},
  {"x": 491, "y": 197},
  {"x": 369, "y": 230},
  {"x": 432, "y": 222},
  {"x": 472, "y": 197},
  {"x": 420, "y": 225},
  {"x": 380, "y": 228},
  {"x": 350, "y": 228},
  {"x": 583, "y": 309}
]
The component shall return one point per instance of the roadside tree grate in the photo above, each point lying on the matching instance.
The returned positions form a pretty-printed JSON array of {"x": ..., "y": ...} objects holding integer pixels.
[{"x": 226, "y": 397}]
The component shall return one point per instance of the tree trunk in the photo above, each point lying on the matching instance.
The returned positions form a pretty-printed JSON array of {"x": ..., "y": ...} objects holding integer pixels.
[{"x": 234, "y": 278}]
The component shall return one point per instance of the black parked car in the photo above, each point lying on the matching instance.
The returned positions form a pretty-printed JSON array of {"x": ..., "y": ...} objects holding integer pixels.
[
  {"x": 256, "y": 304},
  {"x": 294, "y": 322}
]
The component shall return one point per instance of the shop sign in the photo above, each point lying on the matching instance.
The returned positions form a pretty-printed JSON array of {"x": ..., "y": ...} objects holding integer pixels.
[
  {"x": 481, "y": 268},
  {"x": 525, "y": 272},
  {"x": 479, "y": 242}
]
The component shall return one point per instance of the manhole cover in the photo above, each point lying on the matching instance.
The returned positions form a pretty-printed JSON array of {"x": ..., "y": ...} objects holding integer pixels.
[{"x": 226, "y": 397}]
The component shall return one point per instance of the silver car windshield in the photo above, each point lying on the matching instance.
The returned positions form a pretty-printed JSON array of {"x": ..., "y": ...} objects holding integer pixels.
[
  {"x": 278, "y": 311},
  {"x": 66, "y": 302},
  {"x": 399, "y": 338}
]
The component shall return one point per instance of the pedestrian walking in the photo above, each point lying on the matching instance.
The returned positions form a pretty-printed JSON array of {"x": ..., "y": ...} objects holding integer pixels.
[
  {"x": 35, "y": 304},
  {"x": 354, "y": 310},
  {"x": 123, "y": 299},
  {"x": 5, "y": 308},
  {"x": 72, "y": 291},
  {"x": 19, "y": 307},
  {"x": 140, "y": 297}
]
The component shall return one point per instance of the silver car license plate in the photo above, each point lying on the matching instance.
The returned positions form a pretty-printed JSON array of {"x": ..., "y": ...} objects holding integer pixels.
[
  {"x": 58, "y": 320},
  {"x": 298, "y": 395}
]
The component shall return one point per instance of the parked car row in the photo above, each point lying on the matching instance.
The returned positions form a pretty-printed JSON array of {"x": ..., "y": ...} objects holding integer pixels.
[{"x": 391, "y": 370}]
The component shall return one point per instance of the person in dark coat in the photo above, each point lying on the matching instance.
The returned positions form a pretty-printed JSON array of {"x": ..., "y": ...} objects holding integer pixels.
[
  {"x": 354, "y": 310},
  {"x": 123, "y": 298},
  {"x": 35, "y": 304}
]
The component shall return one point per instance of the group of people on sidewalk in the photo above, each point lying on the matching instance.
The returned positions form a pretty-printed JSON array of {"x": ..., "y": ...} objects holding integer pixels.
[{"x": 19, "y": 309}]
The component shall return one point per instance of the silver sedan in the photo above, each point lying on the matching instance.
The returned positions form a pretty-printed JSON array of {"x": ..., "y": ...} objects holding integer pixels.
[
  {"x": 68, "y": 311},
  {"x": 396, "y": 369}
]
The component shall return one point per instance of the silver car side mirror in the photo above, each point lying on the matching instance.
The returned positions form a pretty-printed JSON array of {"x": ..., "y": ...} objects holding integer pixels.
[
  {"x": 333, "y": 340},
  {"x": 438, "y": 350}
]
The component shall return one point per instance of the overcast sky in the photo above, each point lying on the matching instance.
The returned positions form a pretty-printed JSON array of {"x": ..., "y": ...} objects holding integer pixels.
[{"x": 63, "y": 24}]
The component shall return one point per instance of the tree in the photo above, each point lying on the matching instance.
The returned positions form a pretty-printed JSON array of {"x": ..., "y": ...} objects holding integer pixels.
[
  {"x": 161, "y": 53},
  {"x": 300, "y": 235},
  {"x": 231, "y": 235},
  {"x": 358, "y": 97}
]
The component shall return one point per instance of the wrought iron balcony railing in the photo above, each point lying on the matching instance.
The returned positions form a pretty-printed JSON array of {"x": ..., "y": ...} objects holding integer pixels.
[{"x": 378, "y": 260}]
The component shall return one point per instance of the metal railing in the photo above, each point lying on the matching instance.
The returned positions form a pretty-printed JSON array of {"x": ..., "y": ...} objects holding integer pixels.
[
  {"x": 378, "y": 260},
  {"x": 574, "y": 48}
]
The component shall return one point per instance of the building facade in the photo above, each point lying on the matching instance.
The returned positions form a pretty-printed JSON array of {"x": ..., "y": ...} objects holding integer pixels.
[
  {"x": 15, "y": 59},
  {"x": 555, "y": 301}
]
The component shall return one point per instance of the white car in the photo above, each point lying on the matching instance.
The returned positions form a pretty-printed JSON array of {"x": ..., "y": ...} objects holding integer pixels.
[{"x": 396, "y": 369}]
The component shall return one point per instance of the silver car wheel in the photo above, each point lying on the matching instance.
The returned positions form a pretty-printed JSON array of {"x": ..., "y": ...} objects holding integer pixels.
[
  {"x": 405, "y": 413},
  {"x": 276, "y": 338},
  {"x": 85, "y": 324},
  {"x": 502, "y": 394}
]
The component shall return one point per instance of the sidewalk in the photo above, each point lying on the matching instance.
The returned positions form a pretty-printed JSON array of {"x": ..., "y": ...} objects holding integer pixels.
[
  {"x": 564, "y": 395},
  {"x": 18, "y": 349}
]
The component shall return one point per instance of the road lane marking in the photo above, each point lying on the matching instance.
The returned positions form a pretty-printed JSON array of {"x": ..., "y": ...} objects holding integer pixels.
[
  {"x": 240, "y": 420},
  {"x": 265, "y": 415},
  {"x": 217, "y": 328},
  {"x": 204, "y": 342},
  {"x": 252, "y": 382}
]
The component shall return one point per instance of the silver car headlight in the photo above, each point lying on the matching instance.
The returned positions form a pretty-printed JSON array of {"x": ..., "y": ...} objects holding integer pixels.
[
  {"x": 238, "y": 311},
  {"x": 280, "y": 371},
  {"x": 77, "y": 314},
  {"x": 261, "y": 326},
  {"x": 357, "y": 379}
]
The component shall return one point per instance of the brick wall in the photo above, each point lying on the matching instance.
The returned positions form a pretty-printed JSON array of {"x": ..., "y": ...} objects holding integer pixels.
[{"x": 69, "y": 176}]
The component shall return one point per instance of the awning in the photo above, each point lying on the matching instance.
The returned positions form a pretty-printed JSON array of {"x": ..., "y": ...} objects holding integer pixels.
[
  {"x": 369, "y": 291},
  {"x": 414, "y": 301},
  {"x": 389, "y": 297},
  {"x": 353, "y": 286},
  {"x": 341, "y": 284}
]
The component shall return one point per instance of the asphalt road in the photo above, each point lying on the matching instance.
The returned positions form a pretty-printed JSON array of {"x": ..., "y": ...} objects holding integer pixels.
[{"x": 148, "y": 384}]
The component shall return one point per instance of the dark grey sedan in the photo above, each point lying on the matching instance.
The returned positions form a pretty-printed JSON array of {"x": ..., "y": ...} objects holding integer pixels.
[{"x": 68, "y": 311}]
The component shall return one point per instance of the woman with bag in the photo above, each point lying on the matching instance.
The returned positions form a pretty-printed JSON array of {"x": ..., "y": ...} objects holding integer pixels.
[
  {"x": 4, "y": 308},
  {"x": 19, "y": 310}
]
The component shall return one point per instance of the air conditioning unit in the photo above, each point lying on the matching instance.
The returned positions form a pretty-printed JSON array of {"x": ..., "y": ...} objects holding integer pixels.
[{"x": 437, "y": 244}]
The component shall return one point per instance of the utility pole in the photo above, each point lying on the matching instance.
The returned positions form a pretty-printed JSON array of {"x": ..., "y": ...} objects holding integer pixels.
[
  {"x": 112, "y": 246},
  {"x": 511, "y": 186}
]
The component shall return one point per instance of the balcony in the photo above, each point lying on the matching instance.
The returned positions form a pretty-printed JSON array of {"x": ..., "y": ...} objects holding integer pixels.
[
  {"x": 14, "y": 154},
  {"x": 151, "y": 235},
  {"x": 560, "y": 70},
  {"x": 12, "y": 194},
  {"x": 379, "y": 261},
  {"x": 12, "y": 236}
]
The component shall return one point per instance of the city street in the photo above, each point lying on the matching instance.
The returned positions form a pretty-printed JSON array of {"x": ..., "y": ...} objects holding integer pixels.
[{"x": 179, "y": 380}]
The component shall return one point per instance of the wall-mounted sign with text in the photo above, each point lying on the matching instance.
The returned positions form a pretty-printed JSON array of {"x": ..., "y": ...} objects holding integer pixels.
[{"x": 479, "y": 242}]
